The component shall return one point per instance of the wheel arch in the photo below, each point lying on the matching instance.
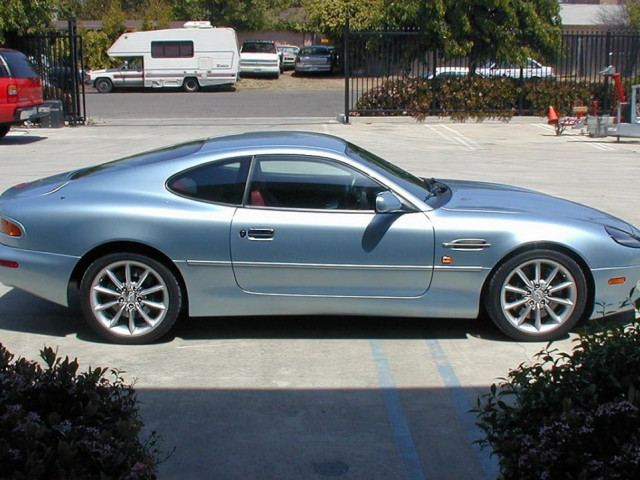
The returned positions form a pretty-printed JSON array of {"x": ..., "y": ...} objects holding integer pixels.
[
  {"x": 129, "y": 247},
  {"x": 545, "y": 245}
]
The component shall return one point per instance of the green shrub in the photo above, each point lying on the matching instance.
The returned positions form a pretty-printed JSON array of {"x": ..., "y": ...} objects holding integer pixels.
[
  {"x": 478, "y": 97},
  {"x": 561, "y": 95},
  {"x": 56, "y": 423},
  {"x": 401, "y": 96},
  {"x": 571, "y": 415}
]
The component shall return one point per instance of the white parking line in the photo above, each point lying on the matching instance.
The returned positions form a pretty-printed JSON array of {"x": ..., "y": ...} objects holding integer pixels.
[{"x": 453, "y": 136}]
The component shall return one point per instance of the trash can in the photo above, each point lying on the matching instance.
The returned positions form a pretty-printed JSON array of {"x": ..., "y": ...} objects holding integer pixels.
[{"x": 55, "y": 119}]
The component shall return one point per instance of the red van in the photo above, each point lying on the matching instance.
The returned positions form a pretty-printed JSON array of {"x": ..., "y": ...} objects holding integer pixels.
[{"x": 20, "y": 90}]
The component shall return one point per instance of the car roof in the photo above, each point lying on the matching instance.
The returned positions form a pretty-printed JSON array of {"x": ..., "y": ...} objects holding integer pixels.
[{"x": 282, "y": 139}]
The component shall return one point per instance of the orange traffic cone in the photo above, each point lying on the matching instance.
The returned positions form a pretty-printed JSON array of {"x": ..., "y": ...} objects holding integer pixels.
[{"x": 553, "y": 116}]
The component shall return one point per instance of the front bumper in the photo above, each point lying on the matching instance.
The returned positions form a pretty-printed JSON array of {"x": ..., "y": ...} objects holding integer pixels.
[{"x": 613, "y": 298}]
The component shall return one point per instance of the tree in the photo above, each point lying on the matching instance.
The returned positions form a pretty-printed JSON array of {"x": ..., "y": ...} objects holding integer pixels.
[
  {"x": 25, "y": 16},
  {"x": 501, "y": 30}
]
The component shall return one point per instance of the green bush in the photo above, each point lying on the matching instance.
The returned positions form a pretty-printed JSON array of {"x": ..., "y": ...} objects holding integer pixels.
[
  {"x": 475, "y": 97},
  {"x": 561, "y": 95},
  {"x": 570, "y": 415},
  {"x": 401, "y": 96},
  {"x": 56, "y": 423},
  {"x": 478, "y": 97}
]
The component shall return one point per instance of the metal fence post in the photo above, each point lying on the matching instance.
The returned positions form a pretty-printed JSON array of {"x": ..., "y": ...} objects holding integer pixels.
[{"x": 347, "y": 69}]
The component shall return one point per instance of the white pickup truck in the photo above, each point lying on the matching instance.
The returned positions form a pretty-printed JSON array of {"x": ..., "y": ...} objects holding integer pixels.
[{"x": 532, "y": 69}]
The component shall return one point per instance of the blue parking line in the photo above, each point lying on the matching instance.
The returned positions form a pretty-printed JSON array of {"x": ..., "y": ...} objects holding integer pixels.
[
  {"x": 395, "y": 414},
  {"x": 462, "y": 405}
]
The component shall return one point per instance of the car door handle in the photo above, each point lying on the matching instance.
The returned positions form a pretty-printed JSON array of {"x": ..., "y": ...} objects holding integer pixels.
[{"x": 260, "y": 233}]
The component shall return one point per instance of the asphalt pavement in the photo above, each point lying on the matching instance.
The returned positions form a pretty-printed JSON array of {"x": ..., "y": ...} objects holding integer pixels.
[{"x": 315, "y": 397}]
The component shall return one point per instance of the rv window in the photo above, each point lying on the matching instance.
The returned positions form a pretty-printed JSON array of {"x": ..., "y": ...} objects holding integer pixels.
[{"x": 168, "y": 49}]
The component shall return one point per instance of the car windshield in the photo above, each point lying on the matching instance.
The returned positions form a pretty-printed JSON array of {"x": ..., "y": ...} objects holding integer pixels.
[
  {"x": 410, "y": 182},
  {"x": 145, "y": 158}
]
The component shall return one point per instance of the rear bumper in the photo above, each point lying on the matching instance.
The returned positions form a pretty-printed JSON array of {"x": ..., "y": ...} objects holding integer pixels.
[
  {"x": 43, "y": 274},
  {"x": 32, "y": 112}
]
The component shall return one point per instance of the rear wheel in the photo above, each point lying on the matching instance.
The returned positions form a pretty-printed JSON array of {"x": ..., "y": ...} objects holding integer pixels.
[
  {"x": 129, "y": 298},
  {"x": 4, "y": 129},
  {"x": 191, "y": 85},
  {"x": 103, "y": 85},
  {"x": 537, "y": 296}
]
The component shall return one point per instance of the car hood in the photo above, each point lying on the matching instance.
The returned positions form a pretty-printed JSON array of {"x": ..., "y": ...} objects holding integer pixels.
[{"x": 484, "y": 197}]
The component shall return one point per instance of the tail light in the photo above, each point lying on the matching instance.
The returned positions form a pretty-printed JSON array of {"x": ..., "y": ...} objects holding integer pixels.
[{"x": 12, "y": 93}]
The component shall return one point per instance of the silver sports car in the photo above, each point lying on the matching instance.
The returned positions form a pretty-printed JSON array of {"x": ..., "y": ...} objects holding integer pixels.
[{"x": 300, "y": 223}]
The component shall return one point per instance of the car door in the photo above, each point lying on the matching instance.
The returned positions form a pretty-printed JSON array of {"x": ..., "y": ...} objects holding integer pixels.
[
  {"x": 309, "y": 228},
  {"x": 130, "y": 74}
]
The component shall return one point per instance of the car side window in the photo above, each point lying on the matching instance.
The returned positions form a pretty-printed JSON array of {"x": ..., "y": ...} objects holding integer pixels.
[
  {"x": 220, "y": 182},
  {"x": 299, "y": 182}
]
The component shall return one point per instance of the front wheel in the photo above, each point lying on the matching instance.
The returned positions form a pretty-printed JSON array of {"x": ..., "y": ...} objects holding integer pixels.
[
  {"x": 191, "y": 84},
  {"x": 129, "y": 298},
  {"x": 537, "y": 296},
  {"x": 4, "y": 129},
  {"x": 103, "y": 85}
]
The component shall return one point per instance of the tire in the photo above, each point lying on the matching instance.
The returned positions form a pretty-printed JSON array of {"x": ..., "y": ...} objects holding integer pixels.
[
  {"x": 121, "y": 310},
  {"x": 190, "y": 84},
  {"x": 103, "y": 85},
  {"x": 538, "y": 295},
  {"x": 4, "y": 129}
]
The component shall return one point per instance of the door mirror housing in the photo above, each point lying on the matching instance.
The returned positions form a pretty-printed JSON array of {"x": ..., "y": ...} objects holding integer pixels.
[{"x": 387, "y": 202}]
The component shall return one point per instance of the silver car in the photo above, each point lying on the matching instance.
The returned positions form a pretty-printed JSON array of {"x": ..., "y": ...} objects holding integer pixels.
[{"x": 301, "y": 223}]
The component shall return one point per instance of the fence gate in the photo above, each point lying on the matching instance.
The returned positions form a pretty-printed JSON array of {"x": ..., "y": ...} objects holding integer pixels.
[{"x": 57, "y": 56}]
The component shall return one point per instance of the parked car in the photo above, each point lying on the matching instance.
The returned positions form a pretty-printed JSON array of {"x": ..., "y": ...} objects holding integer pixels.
[
  {"x": 447, "y": 72},
  {"x": 288, "y": 56},
  {"x": 532, "y": 69},
  {"x": 315, "y": 58},
  {"x": 21, "y": 94},
  {"x": 259, "y": 57},
  {"x": 292, "y": 223}
]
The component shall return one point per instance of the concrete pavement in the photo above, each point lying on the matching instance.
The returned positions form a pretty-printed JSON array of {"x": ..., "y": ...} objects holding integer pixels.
[{"x": 310, "y": 398}]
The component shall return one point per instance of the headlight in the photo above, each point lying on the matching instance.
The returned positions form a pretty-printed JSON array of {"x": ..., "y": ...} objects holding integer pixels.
[{"x": 628, "y": 239}]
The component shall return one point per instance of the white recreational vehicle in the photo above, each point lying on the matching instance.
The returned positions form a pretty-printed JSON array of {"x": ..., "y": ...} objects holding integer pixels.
[{"x": 197, "y": 55}]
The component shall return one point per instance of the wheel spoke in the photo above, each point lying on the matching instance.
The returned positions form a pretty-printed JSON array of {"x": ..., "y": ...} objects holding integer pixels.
[
  {"x": 106, "y": 291},
  {"x": 514, "y": 289},
  {"x": 155, "y": 305},
  {"x": 154, "y": 289},
  {"x": 114, "y": 279},
  {"x": 562, "y": 301},
  {"x": 116, "y": 318},
  {"x": 523, "y": 276},
  {"x": 516, "y": 304}
]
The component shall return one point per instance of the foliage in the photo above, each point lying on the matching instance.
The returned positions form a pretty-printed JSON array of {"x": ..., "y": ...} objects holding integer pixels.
[
  {"x": 95, "y": 45},
  {"x": 561, "y": 95},
  {"x": 58, "y": 423},
  {"x": 633, "y": 9},
  {"x": 570, "y": 415},
  {"x": 478, "y": 97},
  {"x": 402, "y": 96},
  {"x": 24, "y": 16}
]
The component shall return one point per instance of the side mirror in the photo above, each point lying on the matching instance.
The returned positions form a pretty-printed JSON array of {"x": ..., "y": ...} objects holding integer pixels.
[{"x": 387, "y": 202}]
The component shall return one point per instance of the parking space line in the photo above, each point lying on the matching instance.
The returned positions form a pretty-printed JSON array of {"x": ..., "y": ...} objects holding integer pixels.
[
  {"x": 395, "y": 414},
  {"x": 453, "y": 136},
  {"x": 462, "y": 406}
]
